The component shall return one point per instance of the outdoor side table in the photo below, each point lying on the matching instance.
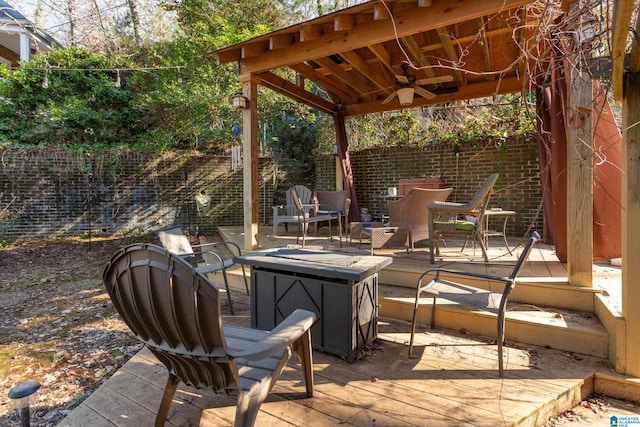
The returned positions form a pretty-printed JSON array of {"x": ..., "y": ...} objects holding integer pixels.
[
  {"x": 496, "y": 213},
  {"x": 341, "y": 289}
]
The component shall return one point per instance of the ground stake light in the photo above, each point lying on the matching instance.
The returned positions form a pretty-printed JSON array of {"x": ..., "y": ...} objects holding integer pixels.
[{"x": 20, "y": 395}]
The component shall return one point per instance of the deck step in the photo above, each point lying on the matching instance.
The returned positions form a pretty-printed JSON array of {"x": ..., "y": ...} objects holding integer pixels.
[{"x": 562, "y": 329}]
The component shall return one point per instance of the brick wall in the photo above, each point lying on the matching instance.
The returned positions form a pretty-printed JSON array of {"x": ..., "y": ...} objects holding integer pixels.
[
  {"x": 58, "y": 193},
  {"x": 53, "y": 195},
  {"x": 518, "y": 187}
]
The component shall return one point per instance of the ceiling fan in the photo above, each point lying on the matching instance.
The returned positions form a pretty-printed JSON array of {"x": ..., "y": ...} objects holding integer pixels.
[{"x": 407, "y": 85}]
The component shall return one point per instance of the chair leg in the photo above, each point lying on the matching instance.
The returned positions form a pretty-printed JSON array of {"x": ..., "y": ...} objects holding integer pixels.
[
  {"x": 413, "y": 323},
  {"x": 415, "y": 317},
  {"x": 244, "y": 276},
  {"x": 226, "y": 285},
  {"x": 167, "y": 397},
  {"x": 433, "y": 313},
  {"x": 416, "y": 304},
  {"x": 248, "y": 407},
  {"x": 500, "y": 338},
  {"x": 305, "y": 228},
  {"x": 303, "y": 347}
]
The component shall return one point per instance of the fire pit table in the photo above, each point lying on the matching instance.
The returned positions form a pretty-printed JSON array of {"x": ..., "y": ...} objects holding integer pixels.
[{"x": 341, "y": 289}]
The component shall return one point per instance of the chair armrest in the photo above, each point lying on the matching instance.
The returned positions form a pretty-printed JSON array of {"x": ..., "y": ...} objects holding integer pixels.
[
  {"x": 449, "y": 207},
  {"x": 209, "y": 268},
  {"x": 216, "y": 244},
  {"x": 464, "y": 273},
  {"x": 276, "y": 340}
]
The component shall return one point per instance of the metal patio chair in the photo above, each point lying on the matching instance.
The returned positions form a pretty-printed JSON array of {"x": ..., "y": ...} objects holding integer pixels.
[
  {"x": 304, "y": 219},
  {"x": 208, "y": 258},
  {"x": 443, "y": 285},
  {"x": 175, "y": 311}
]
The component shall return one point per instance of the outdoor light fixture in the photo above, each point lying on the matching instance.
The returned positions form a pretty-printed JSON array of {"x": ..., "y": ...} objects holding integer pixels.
[
  {"x": 45, "y": 81},
  {"x": 118, "y": 82},
  {"x": 239, "y": 101},
  {"x": 20, "y": 395},
  {"x": 405, "y": 95}
]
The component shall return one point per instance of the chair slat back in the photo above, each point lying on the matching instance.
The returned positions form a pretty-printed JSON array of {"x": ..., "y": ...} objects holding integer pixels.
[
  {"x": 175, "y": 311},
  {"x": 174, "y": 240},
  {"x": 297, "y": 203},
  {"x": 304, "y": 195}
]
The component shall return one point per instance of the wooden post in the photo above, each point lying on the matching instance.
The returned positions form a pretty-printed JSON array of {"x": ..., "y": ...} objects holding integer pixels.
[
  {"x": 339, "y": 174},
  {"x": 250, "y": 163},
  {"x": 345, "y": 164},
  {"x": 579, "y": 175},
  {"x": 630, "y": 215}
]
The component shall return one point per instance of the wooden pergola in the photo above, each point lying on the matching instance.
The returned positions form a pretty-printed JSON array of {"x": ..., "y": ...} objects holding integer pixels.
[{"x": 447, "y": 51}]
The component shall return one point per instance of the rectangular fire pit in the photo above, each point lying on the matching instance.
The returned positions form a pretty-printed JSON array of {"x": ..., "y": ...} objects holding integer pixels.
[{"x": 342, "y": 289}]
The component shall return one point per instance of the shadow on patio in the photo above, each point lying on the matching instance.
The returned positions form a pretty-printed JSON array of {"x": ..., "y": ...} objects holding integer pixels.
[{"x": 453, "y": 381}]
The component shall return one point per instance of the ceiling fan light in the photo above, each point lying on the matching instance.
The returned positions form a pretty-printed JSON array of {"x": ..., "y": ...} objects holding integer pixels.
[{"x": 405, "y": 95}]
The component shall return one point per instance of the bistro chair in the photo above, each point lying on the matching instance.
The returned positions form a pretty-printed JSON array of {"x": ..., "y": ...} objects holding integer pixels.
[
  {"x": 304, "y": 219},
  {"x": 449, "y": 219},
  {"x": 443, "y": 284},
  {"x": 333, "y": 203},
  {"x": 210, "y": 258},
  {"x": 289, "y": 213}
]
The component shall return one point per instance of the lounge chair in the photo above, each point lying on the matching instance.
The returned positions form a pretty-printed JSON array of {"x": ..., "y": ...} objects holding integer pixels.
[
  {"x": 210, "y": 258},
  {"x": 443, "y": 285},
  {"x": 175, "y": 311}
]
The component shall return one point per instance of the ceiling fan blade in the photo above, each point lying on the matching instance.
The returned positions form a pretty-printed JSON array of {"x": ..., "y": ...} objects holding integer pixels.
[
  {"x": 402, "y": 79},
  {"x": 434, "y": 80},
  {"x": 390, "y": 97},
  {"x": 424, "y": 93}
]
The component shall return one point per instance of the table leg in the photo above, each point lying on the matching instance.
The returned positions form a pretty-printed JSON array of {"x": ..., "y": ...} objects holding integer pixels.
[{"x": 504, "y": 234}]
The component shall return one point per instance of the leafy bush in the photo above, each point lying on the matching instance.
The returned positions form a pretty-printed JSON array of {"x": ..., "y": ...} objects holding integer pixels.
[{"x": 68, "y": 97}]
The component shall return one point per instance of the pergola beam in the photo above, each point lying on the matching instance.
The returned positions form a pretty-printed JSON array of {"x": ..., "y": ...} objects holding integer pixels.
[{"x": 408, "y": 22}]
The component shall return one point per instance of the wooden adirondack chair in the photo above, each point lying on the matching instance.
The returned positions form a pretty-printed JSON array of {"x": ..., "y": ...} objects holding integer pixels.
[
  {"x": 175, "y": 311},
  {"x": 289, "y": 213}
]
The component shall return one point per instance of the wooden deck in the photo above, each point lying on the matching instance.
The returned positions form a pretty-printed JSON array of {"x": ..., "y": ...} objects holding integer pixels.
[{"x": 453, "y": 381}]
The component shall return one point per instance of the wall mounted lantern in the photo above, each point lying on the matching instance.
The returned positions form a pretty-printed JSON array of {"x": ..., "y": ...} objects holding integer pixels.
[{"x": 239, "y": 101}]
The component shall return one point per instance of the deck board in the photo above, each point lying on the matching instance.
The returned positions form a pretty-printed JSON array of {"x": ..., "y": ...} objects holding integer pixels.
[{"x": 453, "y": 381}]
